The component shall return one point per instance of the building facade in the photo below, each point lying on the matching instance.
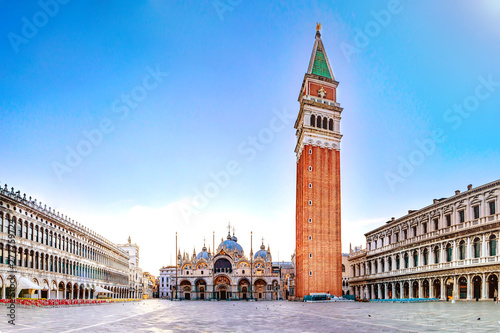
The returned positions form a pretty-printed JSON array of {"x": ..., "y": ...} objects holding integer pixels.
[
  {"x": 318, "y": 229},
  {"x": 65, "y": 259},
  {"x": 167, "y": 282},
  {"x": 149, "y": 285},
  {"x": 136, "y": 275},
  {"x": 445, "y": 250},
  {"x": 226, "y": 274}
]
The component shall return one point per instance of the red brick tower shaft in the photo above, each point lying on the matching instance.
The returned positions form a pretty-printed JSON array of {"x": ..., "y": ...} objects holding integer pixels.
[{"x": 318, "y": 221}]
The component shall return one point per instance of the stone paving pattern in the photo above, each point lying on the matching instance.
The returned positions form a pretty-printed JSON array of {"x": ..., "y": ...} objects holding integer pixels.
[{"x": 279, "y": 316}]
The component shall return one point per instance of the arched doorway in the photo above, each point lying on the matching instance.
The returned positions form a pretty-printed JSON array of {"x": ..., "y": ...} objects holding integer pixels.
[
  {"x": 493, "y": 285},
  {"x": 185, "y": 288},
  {"x": 381, "y": 291},
  {"x": 406, "y": 290},
  {"x": 425, "y": 288},
  {"x": 437, "y": 288},
  {"x": 68, "y": 291},
  {"x": 201, "y": 287},
  {"x": 389, "y": 290},
  {"x": 415, "y": 289},
  {"x": 260, "y": 289},
  {"x": 449, "y": 288},
  {"x": 398, "y": 290},
  {"x": 222, "y": 285},
  {"x": 44, "y": 292},
  {"x": 61, "y": 289},
  {"x": 243, "y": 287},
  {"x": 477, "y": 281},
  {"x": 462, "y": 285}
]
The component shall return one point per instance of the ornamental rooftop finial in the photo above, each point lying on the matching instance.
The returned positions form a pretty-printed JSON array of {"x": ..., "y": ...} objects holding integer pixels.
[{"x": 318, "y": 26}]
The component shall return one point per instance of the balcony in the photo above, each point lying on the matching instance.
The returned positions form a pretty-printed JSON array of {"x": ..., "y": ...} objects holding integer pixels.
[
  {"x": 436, "y": 233},
  {"x": 470, "y": 262}
]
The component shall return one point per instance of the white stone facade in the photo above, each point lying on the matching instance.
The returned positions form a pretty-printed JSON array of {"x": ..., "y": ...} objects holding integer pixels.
[
  {"x": 66, "y": 259},
  {"x": 445, "y": 250}
]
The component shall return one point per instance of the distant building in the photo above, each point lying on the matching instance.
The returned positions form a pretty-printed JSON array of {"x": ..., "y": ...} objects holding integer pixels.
[
  {"x": 149, "y": 285},
  {"x": 136, "y": 283},
  {"x": 226, "y": 274}
]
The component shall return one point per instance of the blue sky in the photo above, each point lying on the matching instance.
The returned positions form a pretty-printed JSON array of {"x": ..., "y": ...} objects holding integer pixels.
[{"x": 226, "y": 69}]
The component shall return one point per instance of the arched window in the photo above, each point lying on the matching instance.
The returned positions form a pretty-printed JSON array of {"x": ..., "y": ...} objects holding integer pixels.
[
  {"x": 318, "y": 122},
  {"x": 477, "y": 248},
  {"x": 389, "y": 264},
  {"x": 462, "y": 250},
  {"x": 20, "y": 228},
  {"x": 436, "y": 255},
  {"x": 26, "y": 230},
  {"x": 30, "y": 235},
  {"x": 313, "y": 120},
  {"x": 406, "y": 260},
  {"x": 325, "y": 123},
  {"x": 46, "y": 237},
  {"x": 493, "y": 245},
  {"x": 415, "y": 258},
  {"x": 398, "y": 265},
  {"x": 449, "y": 253},
  {"x": 343, "y": 268},
  {"x": 1, "y": 222},
  {"x": 330, "y": 124}
]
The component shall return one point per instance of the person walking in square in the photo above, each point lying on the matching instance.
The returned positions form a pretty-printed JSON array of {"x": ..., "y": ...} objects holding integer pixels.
[{"x": 495, "y": 296}]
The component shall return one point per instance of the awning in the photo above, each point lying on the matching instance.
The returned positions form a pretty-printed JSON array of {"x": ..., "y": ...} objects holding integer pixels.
[
  {"x": 24, "y": 283},
  {"x": 102, "y": 290}
]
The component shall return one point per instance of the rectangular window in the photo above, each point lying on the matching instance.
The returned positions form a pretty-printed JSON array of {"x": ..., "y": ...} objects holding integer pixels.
[
  {"x": 449, "y": 251},
  {"x": 396, "y": 237},
  {"x": 310, "y": 237},
  {"x": 310, "y": 273},
  {"x": 476, "y": 212},
  {"x": 448, "y": 220},
  {"x": 493, "y": 247},
  {"x": 436, "y": 224},
  {"x": 310, "y": 185},
  {"x": 492, "y": 207},
  {"x": 461, "y": 215},
  {"x": 310, "y": 220},
  {"x": 310, "y": 203},
  {"x": 310, "y": 255},
  {"x": 405, "y": 234},
  {"x": 424, "y": 227},
  {"x": 414, "y": 231}
]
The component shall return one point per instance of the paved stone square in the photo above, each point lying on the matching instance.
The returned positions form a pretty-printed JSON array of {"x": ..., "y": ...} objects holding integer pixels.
[{"x": 279, "y": 316}]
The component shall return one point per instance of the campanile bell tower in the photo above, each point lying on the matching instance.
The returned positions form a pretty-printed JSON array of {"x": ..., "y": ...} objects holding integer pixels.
[{"x": 318, "y": 238}]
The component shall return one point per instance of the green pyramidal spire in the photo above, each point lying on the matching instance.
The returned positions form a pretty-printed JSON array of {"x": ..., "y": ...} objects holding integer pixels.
[{"x": 319, "y": 64}]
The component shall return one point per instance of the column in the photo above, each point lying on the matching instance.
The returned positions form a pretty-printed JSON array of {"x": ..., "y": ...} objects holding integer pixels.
[
  {"x": 401, "y": 291},
  {"x": 484, "y": 247},
  {"x": 420, "y": 291},
  {"x": 57, "y": 292},
  {"x": 454, "y": 251},
  {"x": 393, "y": 290},
  {"x": 469, "y": 287},
  {"x": 3, "y": 290},
  {"x": 373, "y": 296},
  {"x": 386, "y": 290},
  {"x": 431, "y": 288},
  {"x": 456, "y": 293},
  {"x": 410, "y": 287},
  {"x": 443, "y": 289},
  {"x": 468, "y": 254},
  {"x": 484, "y": 292}
]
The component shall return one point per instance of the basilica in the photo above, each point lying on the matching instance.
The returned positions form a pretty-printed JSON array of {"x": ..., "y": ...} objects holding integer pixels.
[{"x": 226, "y": 274}]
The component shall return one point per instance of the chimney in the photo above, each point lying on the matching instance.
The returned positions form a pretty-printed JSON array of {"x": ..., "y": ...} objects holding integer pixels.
[
  {"x": 435, "y": 201},
  {"x": 457, "y": 192},
  {"x": 469, "y": 187},
  {"x": 392, "y": 219}
]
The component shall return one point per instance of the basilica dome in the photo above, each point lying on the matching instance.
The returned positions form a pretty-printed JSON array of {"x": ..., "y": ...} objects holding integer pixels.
[
  {"x": 203, "y": 254},
  {"x": 231, "y": 246},
  {"x": 262, "y": 253}
]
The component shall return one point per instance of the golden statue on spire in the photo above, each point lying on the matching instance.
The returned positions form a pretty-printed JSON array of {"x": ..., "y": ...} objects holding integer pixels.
[{"x": 318, "y": 26}]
